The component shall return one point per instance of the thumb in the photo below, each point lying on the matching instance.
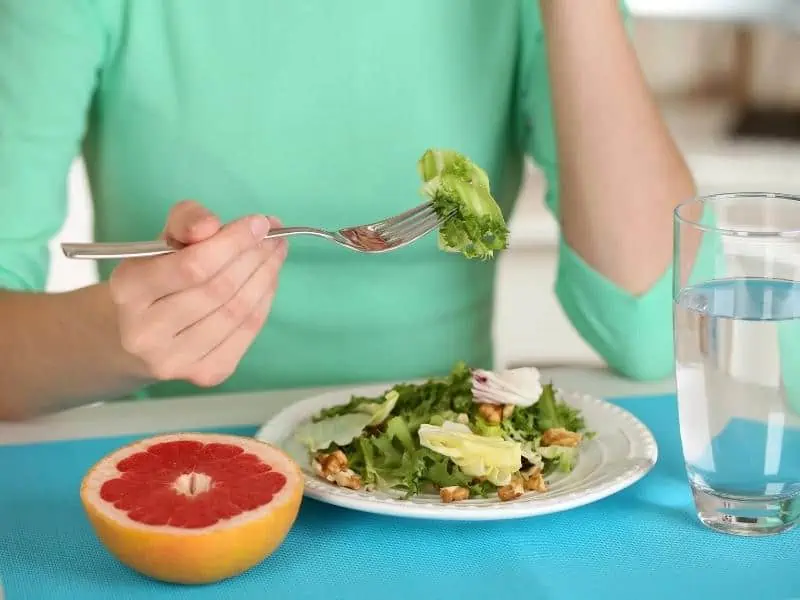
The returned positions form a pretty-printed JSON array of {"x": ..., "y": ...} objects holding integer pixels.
[{"x": 190, "y": 222}]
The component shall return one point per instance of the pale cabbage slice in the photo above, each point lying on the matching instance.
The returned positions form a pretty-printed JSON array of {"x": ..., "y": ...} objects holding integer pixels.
[
  {"x": 494, "y": 458},
  {"x": 343, "y": 429}
]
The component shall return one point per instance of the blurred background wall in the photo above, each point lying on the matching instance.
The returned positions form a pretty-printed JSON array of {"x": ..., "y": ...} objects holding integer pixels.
[{"x": 727, "y": 76}]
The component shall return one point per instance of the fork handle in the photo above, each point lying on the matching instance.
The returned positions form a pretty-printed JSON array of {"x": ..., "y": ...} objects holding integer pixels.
[
  {"x": 117, "y": 250},
  {"x": 112, "y": 250}
]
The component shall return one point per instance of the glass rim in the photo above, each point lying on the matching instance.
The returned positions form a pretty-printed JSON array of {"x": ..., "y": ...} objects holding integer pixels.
[{"x": 706, "y": 199}]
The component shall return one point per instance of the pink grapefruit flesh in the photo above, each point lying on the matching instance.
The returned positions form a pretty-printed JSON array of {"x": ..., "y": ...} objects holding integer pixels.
[{"x": 193, "y": 508}]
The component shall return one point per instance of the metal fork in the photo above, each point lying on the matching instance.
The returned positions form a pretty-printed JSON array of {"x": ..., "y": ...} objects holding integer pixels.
[{"x": 381, "y": 236}]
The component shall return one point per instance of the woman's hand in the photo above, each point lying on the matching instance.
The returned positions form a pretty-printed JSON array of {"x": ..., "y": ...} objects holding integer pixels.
[{"x": 193, "y": 314}]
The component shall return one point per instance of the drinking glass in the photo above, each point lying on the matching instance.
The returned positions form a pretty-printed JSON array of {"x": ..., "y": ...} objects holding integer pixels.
[{"x": 737, "y": 358}]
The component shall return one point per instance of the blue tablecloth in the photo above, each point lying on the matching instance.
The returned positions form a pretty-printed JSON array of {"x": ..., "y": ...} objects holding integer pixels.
[{"x": 643, "y": 543}]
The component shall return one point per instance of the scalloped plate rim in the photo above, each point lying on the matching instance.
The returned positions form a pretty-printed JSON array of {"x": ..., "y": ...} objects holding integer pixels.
[{"x": 278, "y": 429}]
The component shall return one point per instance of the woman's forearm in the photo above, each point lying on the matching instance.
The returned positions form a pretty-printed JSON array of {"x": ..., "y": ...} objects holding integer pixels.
[
  {"x": 621, "y": 174},
  {"x": 61, "y": 350}
]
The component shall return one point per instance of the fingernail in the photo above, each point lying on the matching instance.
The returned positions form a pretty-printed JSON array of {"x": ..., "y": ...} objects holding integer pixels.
[{"x": 259, "y": 226}]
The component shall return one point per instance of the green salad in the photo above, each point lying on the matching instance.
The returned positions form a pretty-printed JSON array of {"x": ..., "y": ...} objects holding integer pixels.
[
  {"x": 460, "y": 194},
  {"x": 471, "y": 434}
]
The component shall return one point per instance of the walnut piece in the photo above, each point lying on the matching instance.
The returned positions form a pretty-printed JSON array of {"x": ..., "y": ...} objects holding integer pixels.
[
  {"x": 453, "y": 493},
  {"x": 333, "y": 467},
  {"x": 332, "y": 463},
  {"x": 495, "y": 413},
  {"x": 348, "y": 479},
  {"x": 513, "y": 490},
  {"x": 559, "y": 436},
  {"x": 492, "y": 413},
  {"x": 533, "y": 481}
]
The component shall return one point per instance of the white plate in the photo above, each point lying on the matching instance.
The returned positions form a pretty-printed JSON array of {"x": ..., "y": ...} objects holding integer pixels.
[{"x": 623, "y": 451}]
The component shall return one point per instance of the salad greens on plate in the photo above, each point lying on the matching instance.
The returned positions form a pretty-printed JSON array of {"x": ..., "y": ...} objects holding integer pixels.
[{"x": 471, "y": 434}]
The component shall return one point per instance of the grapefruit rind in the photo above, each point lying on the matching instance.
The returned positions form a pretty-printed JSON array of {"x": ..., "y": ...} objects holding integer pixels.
[{"x": 194, "y": 556}]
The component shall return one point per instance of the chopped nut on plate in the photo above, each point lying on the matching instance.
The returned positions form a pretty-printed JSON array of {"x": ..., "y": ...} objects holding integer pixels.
[
  {"x": 513, "y": 490},
  {"x": 492, "y": 413},
  {"x": 333, "y": 467},
  {"x": 495, "y": 413},
  {"x": 453, "y": 493},
  {"x": 533, "y": 480},
  {"x": 559, "y": 436},
  {"x": 333, "y": 462},
  {"x": 348, "y": 479}
]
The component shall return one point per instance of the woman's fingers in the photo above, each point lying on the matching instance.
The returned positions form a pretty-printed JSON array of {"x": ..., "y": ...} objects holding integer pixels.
[
  {"x": 142, "y": 282},
  {"x": 170, "y": 315},
  {"x": 192, "y": 314},
  {"x": 201, "y": 338},
  {"x": 219, "y": 364},
  {"x": 190, "y": 222}
]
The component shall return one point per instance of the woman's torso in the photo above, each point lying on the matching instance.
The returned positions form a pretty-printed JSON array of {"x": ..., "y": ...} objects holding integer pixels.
[{"x": 315, "y": 112}]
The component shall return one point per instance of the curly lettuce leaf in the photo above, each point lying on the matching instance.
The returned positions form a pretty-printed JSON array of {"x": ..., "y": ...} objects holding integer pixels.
[
  {"x": 561, "y": 458},
  {"x": 460, "y": 193},
  {"x": 381, "y": 459},
  {"x": 392, "y": 459},
  {"x": 551, "y": 413},
  {"x": 521, "y": 426},
  {"x": 420, "y": 403},
  {"x": 378, "y": 408}
]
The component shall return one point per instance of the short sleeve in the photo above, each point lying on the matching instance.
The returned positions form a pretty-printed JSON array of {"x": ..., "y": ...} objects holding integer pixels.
[
  {"x": 50, "y": 52},
  {"x": 633, "y": 334}
]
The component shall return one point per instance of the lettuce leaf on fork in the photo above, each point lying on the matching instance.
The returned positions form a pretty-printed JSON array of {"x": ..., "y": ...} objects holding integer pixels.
[{"x": 459, "y": 191}]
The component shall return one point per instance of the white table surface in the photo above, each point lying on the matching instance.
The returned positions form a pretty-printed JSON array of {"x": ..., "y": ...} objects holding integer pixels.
[{"x": 147, "y": 416}]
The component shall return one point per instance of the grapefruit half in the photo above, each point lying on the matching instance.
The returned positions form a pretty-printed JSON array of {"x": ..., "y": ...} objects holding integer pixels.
[{"x": 193, "y": 508}]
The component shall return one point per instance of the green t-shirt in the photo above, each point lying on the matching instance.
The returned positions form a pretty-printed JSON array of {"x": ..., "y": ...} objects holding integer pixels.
[{"x": 315, "y": 112}]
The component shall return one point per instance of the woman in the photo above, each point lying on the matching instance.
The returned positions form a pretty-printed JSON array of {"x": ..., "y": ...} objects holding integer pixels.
[{"x": 314, "y": 112}]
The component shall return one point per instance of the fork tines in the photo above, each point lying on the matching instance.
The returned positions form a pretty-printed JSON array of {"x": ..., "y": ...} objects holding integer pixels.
[{"x": 410, "y": 224}]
